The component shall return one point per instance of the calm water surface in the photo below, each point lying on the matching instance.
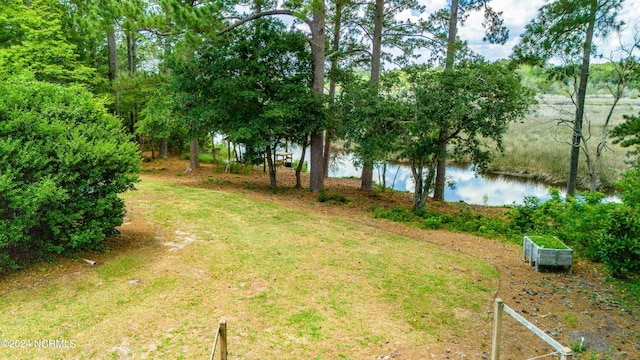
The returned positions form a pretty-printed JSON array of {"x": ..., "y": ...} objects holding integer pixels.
[{"x": 466, "y": 185}]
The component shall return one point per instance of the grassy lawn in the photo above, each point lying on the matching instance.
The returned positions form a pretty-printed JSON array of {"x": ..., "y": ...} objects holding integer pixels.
[{"x": 292, "y": 285}]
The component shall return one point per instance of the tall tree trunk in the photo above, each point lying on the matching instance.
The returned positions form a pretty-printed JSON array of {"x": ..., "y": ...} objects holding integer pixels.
[
  {"x": 366, "y": 177},
  {"x": 576, "y": 138},
  {"x": 301, "y": 165},
  {"x": 153, "y": 148},
  {"x": 418, "y": 190},
  {"x": 335, "y": 47},
  {"x": 272, "y": 169},
  {"x": 441, "y": 160},
  {"x": 112, "y": 55},
  {"x": 194, "y": 154},
  {"x": 317, "y": 42},
  {"x": 163, "y": 148},
  {"x": 327, "y": 153},
  {"x": 318, "y": 51},
  {"x": 428, "y": 182},
  {"x": 131, "y": 61},
  {"x": 376, "y": 51},
  {"x": 441, "y": 167},
  {"x": 165, "y": 70},
  {"x": 131, "y": 53},
  {"x": 453, "y": 33}
]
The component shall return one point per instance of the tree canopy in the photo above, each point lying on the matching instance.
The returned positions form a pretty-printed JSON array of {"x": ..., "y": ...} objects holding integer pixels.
[
  {"x": 473, "y": 104},
  {"x": 32, "y": 39},
  {"x": 253, "y": 85}
]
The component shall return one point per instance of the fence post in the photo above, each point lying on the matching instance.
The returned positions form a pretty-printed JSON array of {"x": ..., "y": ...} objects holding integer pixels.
[
  {"x": 497, "y": 325},
  {"x": 223, "y": 339}
]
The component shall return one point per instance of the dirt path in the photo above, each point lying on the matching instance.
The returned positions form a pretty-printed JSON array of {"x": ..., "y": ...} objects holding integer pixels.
[{"x": 582, "y": 307}]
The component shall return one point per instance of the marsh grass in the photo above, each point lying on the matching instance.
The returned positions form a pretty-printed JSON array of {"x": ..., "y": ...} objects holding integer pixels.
[
  {"x": 538, "y": 147},
  {"x": 292, "y": 285}
]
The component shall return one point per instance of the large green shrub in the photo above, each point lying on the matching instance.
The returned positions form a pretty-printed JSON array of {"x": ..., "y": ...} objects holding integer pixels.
[
  {"x": 619, "y": 245},
  {"x": 603, "y": 232},
  {"x": 578, "y": 221},
  {"x": 629, "y": 186},
  {"x": 63, "y": 162}
]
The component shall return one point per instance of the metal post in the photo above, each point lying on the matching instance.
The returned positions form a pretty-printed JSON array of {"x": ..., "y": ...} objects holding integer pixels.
[{"x": 497, "y": 325}]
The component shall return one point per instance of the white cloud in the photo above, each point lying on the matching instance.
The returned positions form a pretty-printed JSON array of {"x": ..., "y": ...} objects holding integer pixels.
[{"x": 517, "y": 14}]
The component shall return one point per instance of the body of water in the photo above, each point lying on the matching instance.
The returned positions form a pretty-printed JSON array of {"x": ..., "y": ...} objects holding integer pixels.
[{"x": 465, "y": 186}]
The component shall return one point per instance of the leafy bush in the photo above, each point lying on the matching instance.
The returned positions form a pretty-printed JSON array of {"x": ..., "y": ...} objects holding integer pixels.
[
  {"x": 432, "y": 223},
  {"x": 619, "y": 246},
  {"x": 63, "y": 162},
  {"x": 603, "y": 232},
  {"x": 337, "y": 198},
  {"x": 579, "y": 222},
  {"x": 629, "y": 186},
  {"x": 397, "y": 214}
]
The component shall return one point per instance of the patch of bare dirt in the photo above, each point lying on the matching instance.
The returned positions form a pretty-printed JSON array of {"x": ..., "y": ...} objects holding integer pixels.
[{"x": 581, "y": 308}]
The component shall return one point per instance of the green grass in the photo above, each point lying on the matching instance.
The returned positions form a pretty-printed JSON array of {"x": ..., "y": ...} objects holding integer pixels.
[
  {"x": 291, "y": 284},
  {"x": 548, "y": 242}
]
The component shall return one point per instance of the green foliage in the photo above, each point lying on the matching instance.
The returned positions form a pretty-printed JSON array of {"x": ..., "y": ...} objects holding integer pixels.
[
  {"x": 603, "y": 232},
  {"x": 204, "y": 157},
  {"x": 466, "y": 220},
  {"x": 233, "y": 168},
  {"x": 371, "y": 116},
  {"x": 619, "y": 246},
  {"x": 627, "y": 134},
  {"x": 561, "y": 29},
  {"x": 578, "y": 221},
  {"x": 577, "y": 347},
  {"x": 432, "y": 223},
  {"x": 548, "y": 241},
  {"x": 629, "y": 186},
  {"x": 336, "y": 198},
  {"x": 465, "y": 110},
  {"x": 397, "y": 214},
  {"x": 305, "y": 167},
  {"x": 252, "y": 86},
  {"x": 474, "y": 222},
  {"x": 32, "y": 39},
  {"x": 63, "y": 162}
]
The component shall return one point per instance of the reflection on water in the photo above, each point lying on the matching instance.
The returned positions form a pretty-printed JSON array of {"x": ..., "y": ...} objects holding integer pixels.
[{"x": 467, "y": 185}]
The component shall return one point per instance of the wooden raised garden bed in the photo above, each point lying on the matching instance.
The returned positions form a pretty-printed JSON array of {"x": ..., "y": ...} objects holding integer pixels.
[{"x": 547, "y": 251}]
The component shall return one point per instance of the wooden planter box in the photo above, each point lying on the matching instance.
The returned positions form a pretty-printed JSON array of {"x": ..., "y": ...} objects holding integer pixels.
[{"x": 559, "y": 255}]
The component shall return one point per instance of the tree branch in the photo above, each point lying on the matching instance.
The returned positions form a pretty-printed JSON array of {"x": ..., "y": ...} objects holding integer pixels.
[{"x": 261, "y": 15}]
